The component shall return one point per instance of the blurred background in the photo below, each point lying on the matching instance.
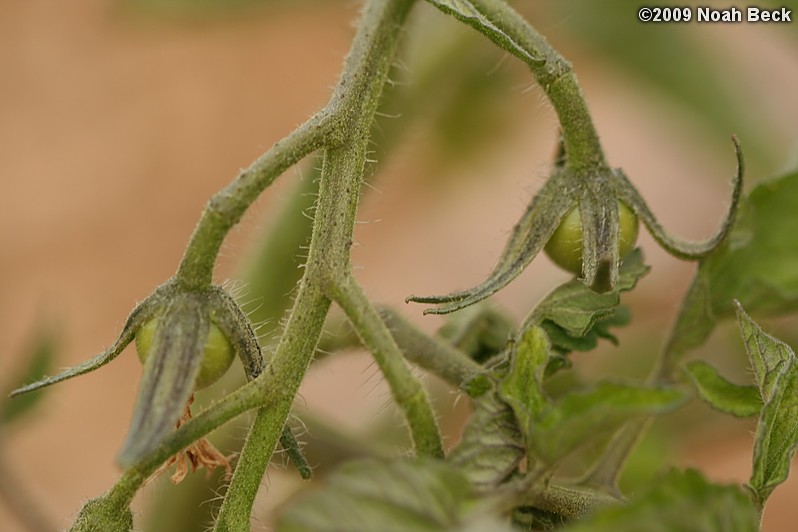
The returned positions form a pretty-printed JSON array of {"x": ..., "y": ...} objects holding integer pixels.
[{"x": 121, "y": 118}]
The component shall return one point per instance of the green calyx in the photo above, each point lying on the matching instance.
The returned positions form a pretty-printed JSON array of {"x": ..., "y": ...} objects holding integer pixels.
[{"x": 587, "y": 220}]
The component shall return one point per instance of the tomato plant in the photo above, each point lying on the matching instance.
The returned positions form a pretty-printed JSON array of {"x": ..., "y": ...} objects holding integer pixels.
[
  {"x": 217, "y": 353},
  {"x": 565, "y": 245},
  {"x": 543, "y": 445}
]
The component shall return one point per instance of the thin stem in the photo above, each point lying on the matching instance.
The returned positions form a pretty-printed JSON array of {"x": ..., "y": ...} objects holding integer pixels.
[
  {"x": 405, "y": 387},
  {"x": 435, "y": 354},
  {"x": 226, "y": 207},
  {"x": 432, "y": 354},
  {"x": 606, "y": 471},
  {"x": 554, "y": 75}
]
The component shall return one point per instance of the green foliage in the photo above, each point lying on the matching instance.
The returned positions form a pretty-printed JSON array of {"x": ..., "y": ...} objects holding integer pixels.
[
  {"x": 505, "y": 467},
  {"x": 776, "y": 376},
  {"x": 584, "y": 415},
  {"x": 720, "y": 394},
  {"x": 492, "y": 445},
  {"x": 479, "y": 331},
  {"x": 575, "y": 317},
  {"x": 522, "y": 387},
  {"x": 680, "y": 501},
  {"x": 756, "y": 266},
  {"x": 423, "y": 495}
]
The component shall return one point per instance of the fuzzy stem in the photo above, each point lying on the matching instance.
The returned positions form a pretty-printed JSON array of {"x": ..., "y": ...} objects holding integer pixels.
[
  {"x": 286, "y": 369},
  {"x": 405, "y": 387},
  {"x": 227, "y": 206},
  {"x": 349, "y": 116},
  {"x": 355, "y": 100},
  {"x": 554, "y": 75},
  {"x": 433, "y": 354}
]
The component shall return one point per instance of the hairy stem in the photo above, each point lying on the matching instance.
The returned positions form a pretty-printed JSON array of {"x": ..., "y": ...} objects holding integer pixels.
[
  {"x": 554, "y": 75},
  {"x": 405, "y": 387},
  {"x": 355, "y": 100},
  {"x": 227, "y": 206},
  {"x": 431, "y": 353},
  {"x": 343, "y": 127}
]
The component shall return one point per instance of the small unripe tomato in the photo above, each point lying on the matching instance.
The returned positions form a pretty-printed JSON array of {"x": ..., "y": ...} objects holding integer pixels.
[
  {"x": 217, "y": 354},
  {"x": 564, "y": 247}
]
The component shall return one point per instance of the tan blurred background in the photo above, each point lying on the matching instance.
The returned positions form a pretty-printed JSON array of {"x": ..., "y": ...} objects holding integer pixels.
[{"x": 117, "y": 123}]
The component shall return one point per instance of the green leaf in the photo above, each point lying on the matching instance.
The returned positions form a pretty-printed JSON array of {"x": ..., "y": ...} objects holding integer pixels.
[
  {"x": 565, "y": 343},
  {"x": 776, "y": 374},
  {"x": 467, "y": 12},
  {"x": 581, "y": 416},
  {"x": 576, "y": 316},
  {"x": 522, "y": 387},
  {"x": 720, "y": 394},
  {"x": 422, "y": 495},
  {"x": 492, "y": 446},
  {"x": 39, "y": 360},
  {"x": 757, "y": 265},
  {"x": 680, "y": 501}
]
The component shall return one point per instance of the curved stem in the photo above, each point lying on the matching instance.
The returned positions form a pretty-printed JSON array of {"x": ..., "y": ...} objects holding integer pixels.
[
  {"x": 405, "y": 387},
  {"x": 552, "y": 72},
  {"x": 226, "y": 207}
]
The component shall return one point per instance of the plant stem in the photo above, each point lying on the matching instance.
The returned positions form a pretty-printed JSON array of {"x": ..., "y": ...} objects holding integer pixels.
[
  {"x": 431, "y": 353},
  {"x": 343, "y": 127},
  {"x": 355, "y": 101},
  {"x": 227, "y": 206},
  {"x": 554, "y": 75},
  {"x": 405, "y": 387}
]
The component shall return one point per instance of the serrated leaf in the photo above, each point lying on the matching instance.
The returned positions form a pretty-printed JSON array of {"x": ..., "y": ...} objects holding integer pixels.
[
  {"x": 720, "y": 394},
  {"x": 492, "y": 446},
  {"x": 423, "y": 495},
  {"x": 577, "y": 316},
  {"x": 757, "y": 265},
  {"x": 467, "y": 12},
  {"x": 776, "y": 373},
  {"x": 39, "y": 361},
  {"x": 580, "y": 416},
  {"x": 680, "y": 501}
]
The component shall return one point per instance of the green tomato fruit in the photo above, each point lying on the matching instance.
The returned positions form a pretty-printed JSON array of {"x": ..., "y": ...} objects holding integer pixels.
[
  {"x": 217, "y": 355},
  {"x": 564, "y": 247}
]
